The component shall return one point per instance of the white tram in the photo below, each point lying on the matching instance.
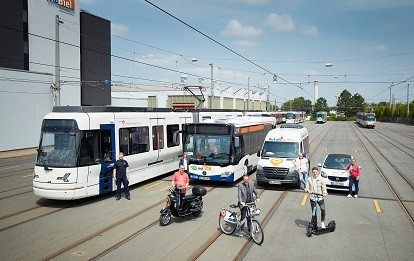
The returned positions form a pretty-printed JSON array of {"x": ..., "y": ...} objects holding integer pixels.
[{"x": 366, "y": 119}]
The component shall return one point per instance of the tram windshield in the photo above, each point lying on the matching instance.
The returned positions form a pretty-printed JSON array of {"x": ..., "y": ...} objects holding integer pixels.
[
  {"x": 370, "y": 118},
  {"x": 59, "y": 141},
  {"x": 290, "y": 115},
  {"x": 279, "y": 149},
  {"x": 208, "y": 149}
]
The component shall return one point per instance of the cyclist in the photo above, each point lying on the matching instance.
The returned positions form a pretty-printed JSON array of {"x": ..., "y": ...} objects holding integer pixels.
[
  {"x": 316, "y": 185},
  {"x": 245, "y": 195}
]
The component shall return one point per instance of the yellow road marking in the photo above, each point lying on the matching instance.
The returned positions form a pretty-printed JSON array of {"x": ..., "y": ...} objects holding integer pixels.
[
  {"x": 30, "y": 175},
  {"x": 12, "y": 167},
  {"x": 377, "y": 207},
  {"x": 153, "y": 185},
  {"x": 165, "y": 188},
  {"x": 304, "y": 200}
]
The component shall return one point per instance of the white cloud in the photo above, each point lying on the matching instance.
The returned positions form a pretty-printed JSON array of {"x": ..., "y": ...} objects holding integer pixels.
[
  {"x": 159, "y": 59},
  {"x": 282, "y": 23},
  {"x": 244, "y": 43},
  {"x": 234, "y": 28},
  {"x": 375, "y": 48},
  {"x": 88, "y": 2},
  {"x": 309, "y": 30},
  {"x": 119, "y": 29}
]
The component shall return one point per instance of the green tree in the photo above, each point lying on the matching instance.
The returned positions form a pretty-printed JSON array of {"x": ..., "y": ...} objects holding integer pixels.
[
  {"x": 298, "y": 104},
  {"x": 320, "y": 105},
  {"x": 344, "y": 102},
  {"x": 357, "y": 103}
]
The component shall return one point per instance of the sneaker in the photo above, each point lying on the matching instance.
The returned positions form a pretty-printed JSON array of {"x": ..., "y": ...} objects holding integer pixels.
[
  {"x": 239, "y": 233},
  {"x": 349, "y": 196},
  {"x": 323, "y": 225},
  {"x": 118, "y": 197},
  {"x": 355, "y": 196},
  {"x": 128, "y": 197}
]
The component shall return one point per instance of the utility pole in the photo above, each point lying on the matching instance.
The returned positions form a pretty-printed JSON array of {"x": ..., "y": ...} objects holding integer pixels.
[
  {"x": 212, "y": 90},
  {"x": 393, "y": 104},
  {"x": 408, "y": 101},
  {"x": 390, "y": 100},
  {"x": 248, "y": 93},
  {"x": 275, "y": 109},
  {"x": 268, "y": 98},
  {"x": 57, "y": 63}
]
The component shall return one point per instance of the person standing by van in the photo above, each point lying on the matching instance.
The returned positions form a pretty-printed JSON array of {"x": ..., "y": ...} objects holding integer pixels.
[
  {"x": 354, "y": 174},
  {"x": 302, "y": 167},
  {"x": 317, "y": 188}
]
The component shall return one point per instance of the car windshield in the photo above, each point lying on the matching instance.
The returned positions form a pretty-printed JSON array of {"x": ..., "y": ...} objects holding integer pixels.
[
  {"x": 279, "y": 149},
  {"x": 211, "y": 149},
  {"x": 337, "y": 162}
]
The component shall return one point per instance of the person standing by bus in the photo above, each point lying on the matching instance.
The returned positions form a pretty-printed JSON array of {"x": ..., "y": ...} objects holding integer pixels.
[
  {"x": 317, "y": 188},
  {"x": 121, "y": 175},
  {"x": 354, "y": 173},
  {"x": 302, "y": 167},
  {"x": 185, "y": 162}
]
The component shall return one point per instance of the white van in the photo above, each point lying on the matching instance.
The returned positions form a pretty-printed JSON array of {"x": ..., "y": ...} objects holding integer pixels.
[{"x": 280, "y": 148}]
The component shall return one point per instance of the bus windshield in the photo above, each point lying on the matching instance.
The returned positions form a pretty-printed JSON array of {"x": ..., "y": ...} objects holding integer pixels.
[
  {"x": 58, "y": 144},
  {"x": 279, "y": 149},
  {"x": 208, "y": 149}
]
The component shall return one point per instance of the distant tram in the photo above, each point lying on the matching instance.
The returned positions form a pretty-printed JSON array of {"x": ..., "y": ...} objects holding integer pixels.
[
  {"x": 321, "y": 116},
  {"x": 225, "y": 149},
  {"x": 366, "y": 119}
]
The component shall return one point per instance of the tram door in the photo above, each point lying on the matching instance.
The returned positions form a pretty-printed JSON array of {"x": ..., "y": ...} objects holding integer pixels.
[
  {"x": 157, "y": 130},
  {"x": 108, "y": 155}
]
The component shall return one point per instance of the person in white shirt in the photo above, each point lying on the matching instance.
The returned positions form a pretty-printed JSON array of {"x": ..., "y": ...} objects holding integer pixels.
[
  {"x": 317, "y": 188},
  {"x": 185, "y": 162},
  {"x": 302, "y": 167}
]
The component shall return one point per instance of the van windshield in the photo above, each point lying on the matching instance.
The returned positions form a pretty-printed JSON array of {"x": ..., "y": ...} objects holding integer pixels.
[{"x": 279, "y": 149}]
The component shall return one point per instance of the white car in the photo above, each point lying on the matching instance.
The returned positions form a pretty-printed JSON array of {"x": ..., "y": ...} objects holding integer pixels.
[{"x": 332, "y": 170}]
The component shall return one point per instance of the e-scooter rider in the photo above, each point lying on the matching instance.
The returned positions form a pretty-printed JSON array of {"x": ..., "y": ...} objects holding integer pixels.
[{"x": 316, "y": 187}]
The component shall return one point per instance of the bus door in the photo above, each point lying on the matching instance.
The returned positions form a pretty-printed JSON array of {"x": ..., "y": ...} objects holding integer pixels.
[
  {"x": 158, "y": 142},
  {"x": 108, "y": 155}
]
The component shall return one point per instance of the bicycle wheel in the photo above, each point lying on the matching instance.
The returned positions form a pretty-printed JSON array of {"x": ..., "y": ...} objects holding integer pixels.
[
  {"x": 256, "y": 232},
  {"x": 226, "y": 226}
]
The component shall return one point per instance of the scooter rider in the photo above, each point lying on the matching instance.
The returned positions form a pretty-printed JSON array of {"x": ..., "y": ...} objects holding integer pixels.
[
  {"x": 316, "y": 185},
  {"x": 181, "y": 180},
  {"x": 245, "y": 195}
]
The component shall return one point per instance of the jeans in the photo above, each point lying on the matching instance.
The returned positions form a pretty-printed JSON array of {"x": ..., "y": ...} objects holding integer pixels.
[
  {"x": 353, "y": 181},
  {"x": 243, "y": 211},
  {"x": 125, "y": 182},
  {"x": 303, "y": 176},
  {"x": 321, "y": 204}
]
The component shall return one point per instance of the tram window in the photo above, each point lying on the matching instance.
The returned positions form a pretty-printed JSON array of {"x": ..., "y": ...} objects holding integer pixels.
[
  {"x": 170, "y": 135},
  {"x": 106, "y": 149},
  {"x": 89, "y": 148},
  {"x": 139, "y": 140},
  {"x": 158, "y": 137},
  {"x": 124, "y": 141}
]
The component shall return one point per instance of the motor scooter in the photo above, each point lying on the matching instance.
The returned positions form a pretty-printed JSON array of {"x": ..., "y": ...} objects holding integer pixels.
[{"x": 181, "y": 206}]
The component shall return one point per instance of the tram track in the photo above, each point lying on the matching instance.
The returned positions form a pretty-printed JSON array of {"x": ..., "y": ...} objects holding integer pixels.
[
  {"x": 113, "y": 226},
  {"x": 398, "y": 132},
  {"x": 401, "y": 201},
  {"x": 246, "y": 246},
  {"x": 389, "y": 139}
]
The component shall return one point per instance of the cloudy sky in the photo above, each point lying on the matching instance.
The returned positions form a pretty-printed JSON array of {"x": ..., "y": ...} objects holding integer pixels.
[{"x": 370, "y": 44}]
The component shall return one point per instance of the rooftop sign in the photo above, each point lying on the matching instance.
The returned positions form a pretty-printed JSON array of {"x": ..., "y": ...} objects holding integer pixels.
[{"x": 69, "y": 4}]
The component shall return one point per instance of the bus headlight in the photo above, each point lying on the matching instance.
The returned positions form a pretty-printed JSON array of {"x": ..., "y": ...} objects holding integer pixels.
[{"x": 225, "y": 174}]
